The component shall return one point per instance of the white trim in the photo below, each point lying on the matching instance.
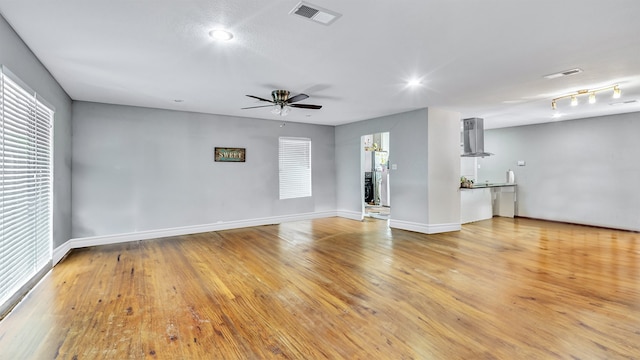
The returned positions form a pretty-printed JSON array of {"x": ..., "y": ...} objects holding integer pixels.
[
  {"x": 75, "y": 243},
  {"x": 60, "y": 252},
  {"x": 424, "y": 228},
  {"x": 353, "y": 215}
]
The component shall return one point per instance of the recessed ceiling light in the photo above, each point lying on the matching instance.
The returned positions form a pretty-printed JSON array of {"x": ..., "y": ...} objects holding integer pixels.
[
  {"x": 221, "y": 35},
  {"x": 414, "y": 82}
]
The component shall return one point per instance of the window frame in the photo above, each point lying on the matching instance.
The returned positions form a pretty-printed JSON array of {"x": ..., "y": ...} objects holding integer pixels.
[
  {"x": 295, "y": 170},
  {"x": 26, "y": 188}
]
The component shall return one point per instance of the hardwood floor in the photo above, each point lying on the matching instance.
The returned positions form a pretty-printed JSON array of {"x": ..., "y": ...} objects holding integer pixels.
[{"x": 337, "y": 288}]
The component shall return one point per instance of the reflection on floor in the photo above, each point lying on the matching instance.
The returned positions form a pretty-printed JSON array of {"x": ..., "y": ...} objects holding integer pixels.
[{"x": 377, "y": 211}]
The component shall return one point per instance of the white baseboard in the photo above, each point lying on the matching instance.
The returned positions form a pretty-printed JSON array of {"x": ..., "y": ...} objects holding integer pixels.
[
  {"x": 62, "y": 250},
  {"x": 424, "y": 228},
  {"x": 353, "y": 215}
]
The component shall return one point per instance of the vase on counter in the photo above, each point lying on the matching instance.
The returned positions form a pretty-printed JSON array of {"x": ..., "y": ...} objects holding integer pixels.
[{"x": 511, "y": 177}]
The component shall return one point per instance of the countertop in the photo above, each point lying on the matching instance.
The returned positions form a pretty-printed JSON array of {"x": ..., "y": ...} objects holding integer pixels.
[{"x": 487, "y": 185}]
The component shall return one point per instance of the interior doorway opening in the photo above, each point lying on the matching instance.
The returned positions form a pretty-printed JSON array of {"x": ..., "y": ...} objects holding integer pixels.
[{"x": 375, "y": 174}]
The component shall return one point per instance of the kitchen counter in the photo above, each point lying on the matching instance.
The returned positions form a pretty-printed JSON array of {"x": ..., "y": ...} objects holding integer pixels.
[
  {"x": 487, "y": 185},
  {"x": 487, "y": 200}
]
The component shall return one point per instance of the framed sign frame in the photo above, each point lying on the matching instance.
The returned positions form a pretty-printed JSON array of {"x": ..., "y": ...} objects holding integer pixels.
[{"x": 227, "y": 154}]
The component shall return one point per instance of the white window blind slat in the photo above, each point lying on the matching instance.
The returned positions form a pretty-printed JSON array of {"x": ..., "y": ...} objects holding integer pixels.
[
  {"x": 25, "y": 186},
  {"x": 294, "y": 167}
]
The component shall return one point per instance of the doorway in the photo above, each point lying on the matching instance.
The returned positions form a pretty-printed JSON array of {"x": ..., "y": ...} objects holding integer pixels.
[{"x": 375, "y": 176}]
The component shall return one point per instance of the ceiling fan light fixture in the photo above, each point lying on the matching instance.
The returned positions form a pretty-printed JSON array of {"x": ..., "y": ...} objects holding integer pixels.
[
  {"x": 282, "y": 102},
  {"x": 220, "y": 35},
  {"x": 280, "y": 95}
]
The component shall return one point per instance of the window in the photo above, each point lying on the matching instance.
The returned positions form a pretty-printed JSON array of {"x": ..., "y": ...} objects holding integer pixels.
[
  {"x": 25, "y": 186},
  {"x": 295, "y": 167}
]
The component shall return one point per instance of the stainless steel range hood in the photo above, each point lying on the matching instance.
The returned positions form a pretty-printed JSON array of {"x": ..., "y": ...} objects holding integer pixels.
[{"x": 473, "y": 138}]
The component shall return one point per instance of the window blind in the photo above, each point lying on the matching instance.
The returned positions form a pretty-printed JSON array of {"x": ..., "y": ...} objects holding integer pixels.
[
  {"x": 295, "y": 167},
  {"x": 25, "y": 185}
]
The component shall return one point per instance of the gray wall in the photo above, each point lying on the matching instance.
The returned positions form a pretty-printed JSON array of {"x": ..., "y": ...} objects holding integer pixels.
[
  {"x": 137, "y": 169},
  {"x": 444, "y": 167},
  {"x": 407, "y": 149},
  {"x": 580, "y": 171},
  {"x": 16, "y": 56}
]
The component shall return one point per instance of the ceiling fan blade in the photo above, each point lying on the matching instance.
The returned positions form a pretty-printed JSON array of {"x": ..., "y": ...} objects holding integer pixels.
[
  {"x": 259, "y": 98},
  {"x": 306, "y": 106},
  {"x": 253, "y": 107},
  {"x": 297, "y": 98}
]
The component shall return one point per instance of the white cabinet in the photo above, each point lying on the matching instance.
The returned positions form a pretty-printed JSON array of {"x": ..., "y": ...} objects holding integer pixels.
[
  {"x": 483, "y": 203},
  {"x": 475, "y": 205},
  {"x": 504, "y": 201}
]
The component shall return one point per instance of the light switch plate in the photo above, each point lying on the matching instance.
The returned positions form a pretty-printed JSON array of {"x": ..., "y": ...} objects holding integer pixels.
[
  {"x": 521, "y": 163},
  {"x": 394, "y": 166}
]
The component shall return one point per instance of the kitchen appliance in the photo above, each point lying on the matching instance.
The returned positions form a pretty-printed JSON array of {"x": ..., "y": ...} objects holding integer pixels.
[
  {"x": 368, "y": 187},
  {"x": 473, "y": 138}
]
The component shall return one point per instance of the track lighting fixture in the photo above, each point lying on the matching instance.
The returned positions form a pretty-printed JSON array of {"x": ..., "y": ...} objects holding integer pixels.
[{"x": 591, "y": 92}]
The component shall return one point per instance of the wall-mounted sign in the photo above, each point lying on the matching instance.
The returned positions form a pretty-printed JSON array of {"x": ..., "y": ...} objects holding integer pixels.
[{"x": 229, "y": 154}]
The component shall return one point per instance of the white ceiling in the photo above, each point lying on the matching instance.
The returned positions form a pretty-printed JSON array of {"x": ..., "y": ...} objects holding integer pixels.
[{"x": 480, "y": 58}]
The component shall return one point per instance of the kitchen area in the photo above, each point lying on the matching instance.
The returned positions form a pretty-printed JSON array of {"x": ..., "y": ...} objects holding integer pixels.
[
  {"x": 375, "y": 167},
  {"x": 482, "y": 200}
]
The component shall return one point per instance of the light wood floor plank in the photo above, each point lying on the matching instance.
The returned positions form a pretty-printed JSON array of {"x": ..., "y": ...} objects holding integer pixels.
[{"x": 337, "y": 288}]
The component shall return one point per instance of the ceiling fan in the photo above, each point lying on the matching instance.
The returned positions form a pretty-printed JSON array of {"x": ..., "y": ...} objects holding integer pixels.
[{"x": 281, "y": 102}]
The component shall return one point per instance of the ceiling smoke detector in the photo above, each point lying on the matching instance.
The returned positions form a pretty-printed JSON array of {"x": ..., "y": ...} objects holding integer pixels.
[{"x": 315, "y": 13}]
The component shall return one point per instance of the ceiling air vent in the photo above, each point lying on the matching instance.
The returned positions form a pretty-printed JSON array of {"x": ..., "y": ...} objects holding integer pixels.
[
  {"x": 624, "y": 102},
  {"x": 563, "y": 73},
  {"x": 315, "y": 13}
]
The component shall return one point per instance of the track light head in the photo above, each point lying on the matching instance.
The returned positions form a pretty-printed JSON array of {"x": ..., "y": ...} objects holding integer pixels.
[{"x": 616, "y": 92}]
